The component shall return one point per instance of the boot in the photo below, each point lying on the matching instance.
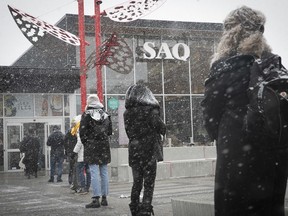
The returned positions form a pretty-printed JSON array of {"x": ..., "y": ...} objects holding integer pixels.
[
  {"x": 94, "y": 204},
  {"x": 134, "y": 208},
  {"x": 51, "y": 179},
  {"x": 36, "y": 175},
  {"x": 146, "y": 210},
  {"x": 104, "y": 201}
]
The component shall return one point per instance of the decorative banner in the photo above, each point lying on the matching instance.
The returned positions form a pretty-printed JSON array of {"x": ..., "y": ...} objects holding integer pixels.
[
  {"x": 34, "y": 28},
  {"x": 132, "y": 10}
]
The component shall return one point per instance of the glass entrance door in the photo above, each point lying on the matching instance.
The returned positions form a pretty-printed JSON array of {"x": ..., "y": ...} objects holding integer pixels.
[
  {"x": 16, "y": 130},
  {"x": 14, "y": 136}
]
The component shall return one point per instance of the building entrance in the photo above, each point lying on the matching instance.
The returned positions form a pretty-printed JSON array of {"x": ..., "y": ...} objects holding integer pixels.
[{"x": 15, "y": 130}]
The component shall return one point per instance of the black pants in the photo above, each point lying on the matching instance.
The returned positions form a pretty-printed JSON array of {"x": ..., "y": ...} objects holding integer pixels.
[{"x": 147, "y": 174}]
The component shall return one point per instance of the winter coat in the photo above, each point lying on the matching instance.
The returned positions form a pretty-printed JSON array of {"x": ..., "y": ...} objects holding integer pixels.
[
  {"x": 143, "y": 126},
  {"x": 96, "y": 148},
  {"x": 251, "y": 169},
  {"x": 79, "y": 149},
  {"x": 30, "y": 145},
  {"x": 56, "y": 141},
  {"x": 69, "y": 143}
]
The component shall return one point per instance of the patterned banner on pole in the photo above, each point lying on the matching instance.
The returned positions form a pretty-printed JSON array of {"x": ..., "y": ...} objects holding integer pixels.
[
  {"x": 132, "y": 10},
  {"x": 34, "y": 28}
]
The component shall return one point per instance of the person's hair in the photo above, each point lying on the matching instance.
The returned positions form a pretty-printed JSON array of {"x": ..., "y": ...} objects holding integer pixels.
[
  {"x": 140, "y": 95},
  {"x": 243, "y": 34}
]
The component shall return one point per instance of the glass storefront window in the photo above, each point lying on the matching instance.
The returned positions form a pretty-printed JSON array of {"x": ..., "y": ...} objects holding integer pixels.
[
  {"x": 41, "y": 105},
  {"x": 1, "y": 105},
  {"x": 118, "y": 81},
  {"x": 66, "y": 105},
  {"x": 148, "y": 71},
  {"x": 199, "y": 133},
  {"x": 178, "y": 119},
  {"x": 176, "y": 72},
  {"x": 201, "y": 52},
  {"x": 18, "y": 105},
  {"x": 1, "y": 146}
]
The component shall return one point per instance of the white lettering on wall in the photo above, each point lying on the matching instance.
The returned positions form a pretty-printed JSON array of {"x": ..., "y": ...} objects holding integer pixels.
[{"x": 165, "y": 52}]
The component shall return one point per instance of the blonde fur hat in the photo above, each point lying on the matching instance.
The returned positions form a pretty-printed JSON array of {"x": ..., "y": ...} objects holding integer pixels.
[{"x": 243, "y": 34}]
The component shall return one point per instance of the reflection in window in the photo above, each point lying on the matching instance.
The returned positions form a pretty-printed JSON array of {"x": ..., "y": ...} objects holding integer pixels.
[
  {"x": 200, "y": 63},
  {"x": 1, "y": 105},
  {"x": 148, "y": 71},
  {"x": 66, "y": 105},
  {"x": 178, "y": 119},
  {"x": 117, "y": 81},
  {"x": 199, "y": 132}
]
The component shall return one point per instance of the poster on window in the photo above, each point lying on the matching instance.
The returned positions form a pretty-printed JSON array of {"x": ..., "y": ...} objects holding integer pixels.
[
  {"x": 18, "y": 105},
  {"x": 48, "y": 105}
]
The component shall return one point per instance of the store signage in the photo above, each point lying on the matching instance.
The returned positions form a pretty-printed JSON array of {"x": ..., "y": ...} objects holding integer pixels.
[{"x": 164, "y": 52}]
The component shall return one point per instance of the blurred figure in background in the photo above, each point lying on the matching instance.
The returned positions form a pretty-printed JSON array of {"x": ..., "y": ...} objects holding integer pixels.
[
  {"x": 144, "y": 128},
  {"x": 30, "y": 146},
  {"x": 70, "y": 141},
  {"x": 56, "y": 141}
]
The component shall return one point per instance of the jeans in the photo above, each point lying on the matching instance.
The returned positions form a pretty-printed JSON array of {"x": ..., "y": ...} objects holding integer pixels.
[
  {"x": 99, "y": 179},
  {"x": 72, "y": 176},
  {"x": 84, "y": 181},
  {"x": 53, "y": 160}
]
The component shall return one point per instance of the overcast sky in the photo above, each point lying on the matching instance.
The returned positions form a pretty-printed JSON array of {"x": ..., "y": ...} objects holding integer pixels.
[{"x": 13, "y": 43}]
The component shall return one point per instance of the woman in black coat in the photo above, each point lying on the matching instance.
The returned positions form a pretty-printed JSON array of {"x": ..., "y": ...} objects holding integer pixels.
[
  {"x": 251, "y": 169},
  {"x": 144, "y": 129},
  {"x": 95, "y": 129}
]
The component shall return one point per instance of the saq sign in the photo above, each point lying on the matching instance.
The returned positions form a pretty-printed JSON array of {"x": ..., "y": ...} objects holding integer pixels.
[{"x": 165, "y": 52}]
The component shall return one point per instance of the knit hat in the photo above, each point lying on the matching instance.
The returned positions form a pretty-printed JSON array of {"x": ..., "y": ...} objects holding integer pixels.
[
  {"x": 249, "y": 19},
  {"x": 93, "y": 101}
]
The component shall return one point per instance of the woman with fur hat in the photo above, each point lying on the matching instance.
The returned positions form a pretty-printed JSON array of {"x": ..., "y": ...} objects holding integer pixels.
[
  {"x": 95, "y": 129},
  {"x": 144, "y": 128},
  {"x": 251, "y": 169}
]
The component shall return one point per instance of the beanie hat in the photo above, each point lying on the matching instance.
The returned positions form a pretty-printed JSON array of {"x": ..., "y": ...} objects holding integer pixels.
[
  {"x": 93, "y": 101},
  {"x": 247, "y": 18}
]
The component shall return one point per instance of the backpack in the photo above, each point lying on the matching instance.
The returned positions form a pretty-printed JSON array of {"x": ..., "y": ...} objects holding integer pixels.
[
  {"x": 267, "y": 94},
  {"x": 270, "y": 73}
]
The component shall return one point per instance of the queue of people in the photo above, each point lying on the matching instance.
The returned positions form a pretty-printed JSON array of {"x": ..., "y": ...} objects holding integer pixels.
[{"x": 247, "y": 121}]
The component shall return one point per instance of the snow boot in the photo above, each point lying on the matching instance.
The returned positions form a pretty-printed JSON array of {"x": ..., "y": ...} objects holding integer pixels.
[
  {"x": 134, "y": 208},
  {"x": 146, "y": 210},
  {"x": 94, "y": 204},
  {"x": 104, "y": 201}
]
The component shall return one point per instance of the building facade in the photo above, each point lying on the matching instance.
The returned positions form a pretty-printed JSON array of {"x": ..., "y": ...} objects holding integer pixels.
[{"x": 171, "y": 58}]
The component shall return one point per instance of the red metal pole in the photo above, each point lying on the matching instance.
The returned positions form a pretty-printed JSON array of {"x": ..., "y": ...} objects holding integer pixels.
[
  {"x": 98, "y": 44},
  {"x": 81, "y": 25}
]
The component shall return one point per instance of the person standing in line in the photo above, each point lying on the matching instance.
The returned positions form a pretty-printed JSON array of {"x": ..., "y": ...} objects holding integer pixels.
[
  {"x": 95, "y": 129},
  {"x": 144, "y": 128},
  {"x": 30, "y": 145},
  {"x": 83, "y": 170},
  {"x": 56, "y": 142},
  {"x": 70, "y": 141},
  {"x": 247, "y": 119}
]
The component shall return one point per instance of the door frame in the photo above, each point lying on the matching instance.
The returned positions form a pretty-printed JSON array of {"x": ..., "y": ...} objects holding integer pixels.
[{"x": 48, "y": 124}]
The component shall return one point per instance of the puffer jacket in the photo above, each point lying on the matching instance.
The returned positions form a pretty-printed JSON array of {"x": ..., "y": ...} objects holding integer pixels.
[
  {"x": 96, "y": 149},
  {"x": 143, "y": 126}
]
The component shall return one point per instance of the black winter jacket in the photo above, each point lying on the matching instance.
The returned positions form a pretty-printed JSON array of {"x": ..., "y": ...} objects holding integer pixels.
[
  {"x": 251, "y": 168},
  {"x": 143, "y": 127},
  {"x": 30, "y": 145},
  {"x": 56, "y": 141},
  {"x": 96, "y": 148},
  {"x": 69, "y": 143}
]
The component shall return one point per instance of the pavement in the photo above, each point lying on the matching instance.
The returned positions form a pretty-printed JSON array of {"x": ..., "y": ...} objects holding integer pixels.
[{"x": 35, "y": 196}]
